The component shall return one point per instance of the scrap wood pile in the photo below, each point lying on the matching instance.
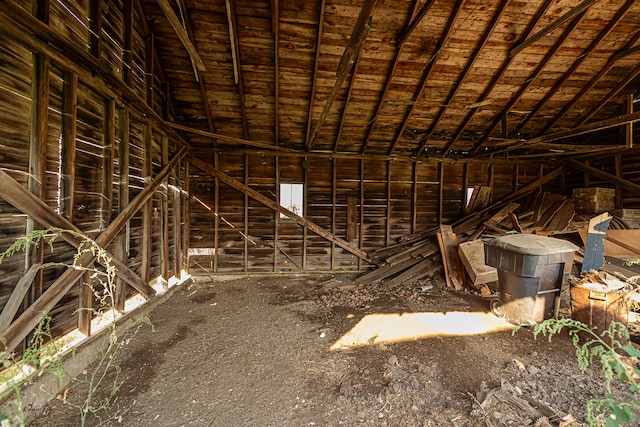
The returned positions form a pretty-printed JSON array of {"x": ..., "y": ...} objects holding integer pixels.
[{"x": 419, "y": 255}]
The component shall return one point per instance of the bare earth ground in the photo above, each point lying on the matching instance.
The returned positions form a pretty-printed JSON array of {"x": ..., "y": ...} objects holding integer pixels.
[{"x": 254, "y": 351}]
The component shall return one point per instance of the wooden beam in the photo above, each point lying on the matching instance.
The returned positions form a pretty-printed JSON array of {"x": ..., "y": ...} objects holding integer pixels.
[
  {"x": 147, "y": 210},
  {"x": 412, "y": 25},
  {"x": 127, "y": 51},
  {"x": 14, "y": 193},
  {"x": 216, "y": 211},
  {"x": 529, "y": 81},
  {"x": 122, "y": 241},
  {"x": 181, "y": 33},
  {"x": 628, "y": 129},
  {"x": 361, "y": 195},
  {"x": 581, "y": 8},
  {"x": 343, "y": 114},
  {"x": 574, "y": 66},
  {"x": 619, "y": 195},
  {"x": 165, "y": 212},
  {"x": 205, "y": 167},
  {"x": 334, "y": 179},
  {"x": 177, "y": 220},
  {"x": 414, "y": 198},
  {"x": 95, "y": 23},
  {"x": 314, "y": 78},
  {"x": 396, "y": 59},
  {"x": 351, "y": 51},
  {"x": 449, "y": 28},
  {"x": 237, "y": 63},
  {"x": 108, "y": 151},
  {"x": 588, "y": 86},
  {"x": 68, "y": 144},
  {"x": 604, "y": 100},
  {"x": 598, "y": 173},
  {"x": 305, "y": 203},
  {"x": 276, "y": 215},
  {"x": 20, "y": 290},
  {"x": 186, "y": 223},
  {"x": 465, "y": 72},
  {"x": 246, "y": 214},
  {"x": 494, "y": 81},
  {"x": 440, "y": 191},
  {"x": 29, "y": 319},
  {"x": 513, "y": 144},
  {"x": 275, "y": 28},
  {"x": 387, "y": 222},
  {"x": 85, "y": 304}
]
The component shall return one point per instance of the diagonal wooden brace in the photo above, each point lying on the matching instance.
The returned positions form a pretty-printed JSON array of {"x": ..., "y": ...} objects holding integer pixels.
[{"x": 205, "y": 167}]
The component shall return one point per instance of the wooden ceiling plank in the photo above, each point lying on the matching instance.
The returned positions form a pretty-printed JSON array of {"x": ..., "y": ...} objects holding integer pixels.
[
  {"x": 603, "y": 101},
  {"x": 581, "y": 8},
  {"x": 237, "y": 67},
  {"x": 588, "y": 86},
  {"x": 529, "y": 81},
  {"x": 579, "y": 60},
  {"x": 314, "y": 78},
  {"x": 625, "y": 53},
  {"x": 449, "y": 28},
  {"x": 494, "y": 81},
  {"x": 463, "y": 75},
  {"x": 410, "y": 28},
  {"x": 181, "y": 33},
  {"x": 387, "y": 82},
  {"x": 256, "y": 195},
  {"x": 351, "y": 51}
]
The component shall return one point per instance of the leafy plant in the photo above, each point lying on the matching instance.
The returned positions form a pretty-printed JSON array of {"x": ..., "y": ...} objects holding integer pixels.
[
  {"x": 609, "y": 348},
  {"x": 44, "y": 355}
]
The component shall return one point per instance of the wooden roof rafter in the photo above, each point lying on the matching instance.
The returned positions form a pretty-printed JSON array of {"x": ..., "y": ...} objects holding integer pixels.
[
  {"x": 410, "y": 26},
  {"x": 529, "y": 81},
  {"x": 346, "y": 104},
  {"x": 356, "y": 41},
  {"x": 449, "y": 29},
  {"x": 197, "y": 73},
  {"x": 463, "y": 75},
  {"x": 590, "y": 84},
  {"x": 494, "y": 81},
  {"x": 181, "y": 33},
  {"x": 576, "y": 64},
  {"x": 315, "y": 74},
  {"x": 237, "y": 63},
  {"x": 275, "y": 28}
]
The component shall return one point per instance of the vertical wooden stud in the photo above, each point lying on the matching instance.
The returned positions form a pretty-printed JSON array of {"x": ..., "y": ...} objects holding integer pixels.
[
  {"x": 492, "y": 173},
  {"x": 305, "y": 210},
  {"x": 177, "y": 221},
  {"x": 186, "y": 223},
  {"x": 465, "y": 186},
  {"x": 165, "y": 212},
  {"x": 246, "y": 214},
  {"x": 95, "y": 24},
  {"x": 628, "y": 135},
  {"x": 586, "y": 176},
  {"x": 276, "y": 215},
  {"x": 85, "y": 308},
  {"x": 352, "y": 219},
  {"x": 619, "y": 195},
  {"x": 149, "y": 75},
  {"x": 216, "y": 220},
  {"x": 147, "y": 210},
  {"x": 440, "y": 191},
  {"x": 127, "y": 57},
  {"x": 387, "y": 231},
  {"x": 122, "y": 242},
  {"x": 414, "y": 199},
  {"x": 361, "y": 231},
  {"x": 109, "y": 132},
  {"x": 334, "y": 176},
  {"x": 68, "y": 141}
]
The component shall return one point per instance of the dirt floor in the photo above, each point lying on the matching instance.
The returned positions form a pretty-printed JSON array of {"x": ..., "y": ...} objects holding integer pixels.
[{"x": 257, "y": 351}]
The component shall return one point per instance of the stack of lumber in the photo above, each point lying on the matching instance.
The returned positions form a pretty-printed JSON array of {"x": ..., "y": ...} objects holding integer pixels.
[
  {"x": 422, "y": 254},
  {"x": 630, "y": 216},
  {"x": 594, "y": 199}
]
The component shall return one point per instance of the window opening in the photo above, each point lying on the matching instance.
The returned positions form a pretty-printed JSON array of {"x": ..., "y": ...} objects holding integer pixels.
[{"x": 291, "y": 198}]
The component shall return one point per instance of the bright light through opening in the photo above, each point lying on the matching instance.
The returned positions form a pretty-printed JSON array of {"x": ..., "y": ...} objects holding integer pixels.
[
  {"x": 393, "y": 328},
  {"x": 291, "y": 198}
]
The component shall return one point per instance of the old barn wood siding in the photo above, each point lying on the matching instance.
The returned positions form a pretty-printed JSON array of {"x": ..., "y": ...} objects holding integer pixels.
[
  {"x": 90, "y": 121},
  {"x": 391, "y": 200}
]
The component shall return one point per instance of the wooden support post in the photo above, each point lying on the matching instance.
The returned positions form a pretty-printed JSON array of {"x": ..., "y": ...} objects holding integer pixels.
[
  {"x": 95, "y": 23},
  {"x": 492, "y": 173},
  {"x": 147, "y": 211},
  {"x": 68, "y": 144},
  {"x": 85, "y": 304},
  {"x": 334, "y": 178},
  {"x": 122, "y": 242},
  {"x": 516, "y": 176},
  {"x": 246, "y": 214},
  {"x": 275, "y": 28},
  {"x": 414, "y": 198},
  {"x": 216, "y": 219},
  {"x": 106, "y": 201},
  {"x": 186, "y": 222},
  {"x": 12, "y": 305},
  {"x": 305, "y": 209},
  {"x": 165, "y": 213},
  {"x": 352, "y": 218},
  {"x": 276, "y": 215},
  {"x": 619, "y": 195},
  {"x": 177, "y": 221},
  {"x": 361, "y": 232},
  {"x": 387, "y": 230},
  {"x": 440, "y": 191},
  {"x": 465, "y": 185},
  {"x": 628, "y": 135}
]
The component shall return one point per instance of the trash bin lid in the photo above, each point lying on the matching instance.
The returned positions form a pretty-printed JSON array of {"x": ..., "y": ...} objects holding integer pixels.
[{"x": 532, "y": 244}]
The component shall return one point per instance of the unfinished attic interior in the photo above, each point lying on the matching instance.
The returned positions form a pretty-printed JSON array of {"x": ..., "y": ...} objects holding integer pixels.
[{"x": 278, "y": 139}]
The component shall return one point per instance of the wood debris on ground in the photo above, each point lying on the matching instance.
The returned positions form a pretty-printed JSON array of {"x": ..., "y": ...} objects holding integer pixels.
[{"x": 420, "y": 255}]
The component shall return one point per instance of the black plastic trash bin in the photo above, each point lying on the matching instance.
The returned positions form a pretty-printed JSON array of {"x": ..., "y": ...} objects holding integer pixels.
[{"x": 531, "y": 270}]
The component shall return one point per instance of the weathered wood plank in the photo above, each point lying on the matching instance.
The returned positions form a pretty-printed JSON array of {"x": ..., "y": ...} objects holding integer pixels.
[{"x": 17, "y": 296}]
